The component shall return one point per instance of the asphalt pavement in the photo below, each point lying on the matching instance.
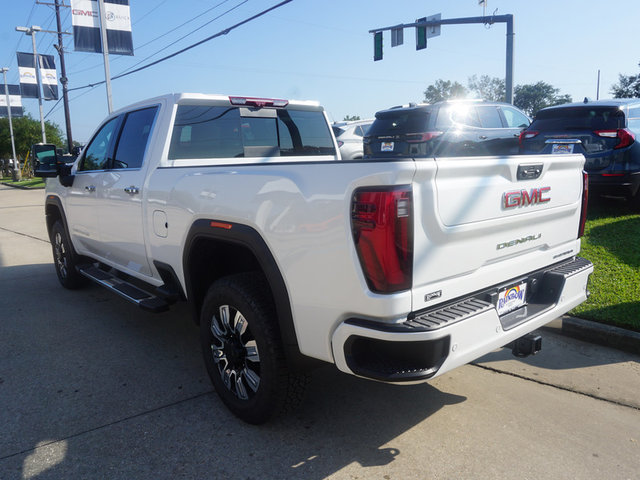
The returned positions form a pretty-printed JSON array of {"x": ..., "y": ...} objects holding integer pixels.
[{"x": 91, "y": 387}]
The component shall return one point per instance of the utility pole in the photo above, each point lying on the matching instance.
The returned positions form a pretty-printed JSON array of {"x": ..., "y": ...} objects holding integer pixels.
[
  {"x": 63, "y": 78},
  {"x": 32, "y": 33},
  {"x": 16, "y": 169}
]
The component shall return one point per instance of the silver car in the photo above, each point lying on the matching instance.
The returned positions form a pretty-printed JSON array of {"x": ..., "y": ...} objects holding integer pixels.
[{"x": 349, "y": 136}]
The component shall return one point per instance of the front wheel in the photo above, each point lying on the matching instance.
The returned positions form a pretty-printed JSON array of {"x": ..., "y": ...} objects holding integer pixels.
[
  {"x": 243, "y": 351},
  {"x": 64, "y": 258}
]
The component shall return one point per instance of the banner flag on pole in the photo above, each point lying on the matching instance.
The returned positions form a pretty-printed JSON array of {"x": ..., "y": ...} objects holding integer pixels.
[
  {"x": 28, "y": 79},
  {"x": 15, "y": 101},
  {"x": 49, "y": 78},
  {"x": 86, "y": 26}
]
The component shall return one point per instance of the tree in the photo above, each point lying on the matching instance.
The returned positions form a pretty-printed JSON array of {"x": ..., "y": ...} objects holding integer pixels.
[
  {"x": 487, "y": 88},
  {"x": 628, "y": 86},
  {"x": 444, "y": 90},
  {"x": 534, "y": 96},
  {"x": 351, "y": 118},
  {"x": 26, "y": 132}
]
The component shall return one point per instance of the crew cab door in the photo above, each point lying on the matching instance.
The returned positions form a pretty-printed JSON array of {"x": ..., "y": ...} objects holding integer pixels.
[
  {"x": 121, "y": 189},
  {"x": 83, "y": 197}
]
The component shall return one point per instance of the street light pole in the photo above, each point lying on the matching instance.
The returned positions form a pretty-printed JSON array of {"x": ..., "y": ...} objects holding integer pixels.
[
  {"x": 4, "y": 71},
  {"x": 32, "y": 33},
  {"x": 105, "y": 52}
]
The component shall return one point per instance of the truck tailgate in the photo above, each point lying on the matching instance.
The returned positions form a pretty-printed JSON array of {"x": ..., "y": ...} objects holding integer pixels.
[{"x": 482, "y": 221}]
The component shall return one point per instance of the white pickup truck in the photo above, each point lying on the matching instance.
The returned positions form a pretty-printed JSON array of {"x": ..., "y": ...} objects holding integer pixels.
[{"x": 395, "y": 269}]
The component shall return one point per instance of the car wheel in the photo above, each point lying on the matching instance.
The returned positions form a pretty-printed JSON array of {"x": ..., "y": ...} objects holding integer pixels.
[
  {"x": 635, "y": 200},
  {"x": 243, "y": 351},
  {"x": 64, "y": 258}
]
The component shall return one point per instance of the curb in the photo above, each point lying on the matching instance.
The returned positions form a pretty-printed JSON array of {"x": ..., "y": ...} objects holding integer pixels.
[
  {"x": 20, "y": 187},
  {"x": 598, "y": 333}
]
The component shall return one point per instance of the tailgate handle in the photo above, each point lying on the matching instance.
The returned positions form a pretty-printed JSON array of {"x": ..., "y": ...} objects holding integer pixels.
[{"x": 529, "y": 172}]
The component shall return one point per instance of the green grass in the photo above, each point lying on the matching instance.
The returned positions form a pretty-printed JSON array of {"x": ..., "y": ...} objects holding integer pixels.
[
  {"x": 26, "y": 182},
  {"x": 612, "y": 243}
]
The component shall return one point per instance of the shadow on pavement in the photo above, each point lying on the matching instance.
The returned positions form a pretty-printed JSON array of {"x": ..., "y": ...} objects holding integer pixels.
[{"x": 92, "y": 387}]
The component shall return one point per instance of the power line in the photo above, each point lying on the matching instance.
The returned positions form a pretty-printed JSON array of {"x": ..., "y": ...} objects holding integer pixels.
[
  {"x": 216, "y": 35},
  {"x": 13, "y": 56},
  {"x": 164, "y": 35},
  {"x": 188, "y": 34}
]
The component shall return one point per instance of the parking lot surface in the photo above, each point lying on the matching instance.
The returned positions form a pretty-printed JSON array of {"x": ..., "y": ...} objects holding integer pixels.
[{"x": 92, "y": 387}]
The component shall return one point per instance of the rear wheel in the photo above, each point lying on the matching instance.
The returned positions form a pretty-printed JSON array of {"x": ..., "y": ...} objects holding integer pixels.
[
  {"x": 243, "y": 351},
  {"x": 635, "y": 200},
  {"x": 64, "y": 258}
]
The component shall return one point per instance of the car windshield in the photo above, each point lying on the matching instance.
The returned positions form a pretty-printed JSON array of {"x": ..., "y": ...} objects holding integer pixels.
[{"x": 579, "y": 118}]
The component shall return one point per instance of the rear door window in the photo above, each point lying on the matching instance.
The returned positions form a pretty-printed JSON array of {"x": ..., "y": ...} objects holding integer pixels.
[
  {"x": 134, "y": 138},
  {"x": 456, "y": 115},
  {"x": 489, "y": 117}
]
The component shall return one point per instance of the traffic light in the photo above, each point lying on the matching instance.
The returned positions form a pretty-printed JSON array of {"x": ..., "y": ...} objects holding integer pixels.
[
  {"x": 421, "y": 34},
  {"x": 377, "y": 46}
]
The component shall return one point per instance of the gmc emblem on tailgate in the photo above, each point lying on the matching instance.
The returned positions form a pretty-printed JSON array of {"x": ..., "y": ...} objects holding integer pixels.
[{"x": 524, "y": 198}]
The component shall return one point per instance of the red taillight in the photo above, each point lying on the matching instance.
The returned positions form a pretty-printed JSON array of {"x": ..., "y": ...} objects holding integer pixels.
[
  {"x": 382, "y": 226},
  {"x": 585, "y": 201},
  {"x": 421, "y": 137},
  {"x": 526, "y": 135},
  {"x": 258, "y": 102},
  {"x": 624, "y": 136}
]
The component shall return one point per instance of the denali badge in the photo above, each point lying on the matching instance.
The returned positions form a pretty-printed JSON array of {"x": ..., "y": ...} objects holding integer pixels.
[
  {"x": 518, "y": 241},
  {"x": 523, "y": 198}
]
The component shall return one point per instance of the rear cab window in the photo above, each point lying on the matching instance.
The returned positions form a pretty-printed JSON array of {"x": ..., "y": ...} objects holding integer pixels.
[{"x": 206, "y": 131}]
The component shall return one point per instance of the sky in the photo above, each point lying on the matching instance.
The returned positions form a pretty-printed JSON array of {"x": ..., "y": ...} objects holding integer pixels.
[{"x": 322, "y": 50}]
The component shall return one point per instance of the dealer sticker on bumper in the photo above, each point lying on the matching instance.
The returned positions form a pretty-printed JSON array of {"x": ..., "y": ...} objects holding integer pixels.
[{"x": 511, "y": 298}]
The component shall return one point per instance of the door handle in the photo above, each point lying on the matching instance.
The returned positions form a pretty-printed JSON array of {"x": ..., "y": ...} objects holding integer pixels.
[
  {"x": 483, "y": 137},
  {"x": 132, "y": 190},
  {"x": 90, "y": 188}
]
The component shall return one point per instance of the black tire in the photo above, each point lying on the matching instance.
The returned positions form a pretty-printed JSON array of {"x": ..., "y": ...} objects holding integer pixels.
[
  {"x": 635, "y": 200},
  {"x": 64, "y": 258},
  {"x": 243, "y": 351}
]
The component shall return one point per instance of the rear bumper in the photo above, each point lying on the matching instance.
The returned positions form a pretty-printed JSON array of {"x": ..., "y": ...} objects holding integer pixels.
[
  {"x": 432, "y": 342},
  {"x": 617, "y": 185}
]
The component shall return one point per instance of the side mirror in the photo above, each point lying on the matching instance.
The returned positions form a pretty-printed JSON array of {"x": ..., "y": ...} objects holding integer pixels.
[{"x": 45, "y": 160}]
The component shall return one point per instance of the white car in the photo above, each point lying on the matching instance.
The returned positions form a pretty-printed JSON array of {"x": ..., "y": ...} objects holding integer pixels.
[{"x": 349, "y": 136}]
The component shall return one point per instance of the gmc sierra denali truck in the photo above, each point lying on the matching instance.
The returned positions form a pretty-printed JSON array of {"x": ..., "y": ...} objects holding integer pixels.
[{"x": 396, "y": 269}]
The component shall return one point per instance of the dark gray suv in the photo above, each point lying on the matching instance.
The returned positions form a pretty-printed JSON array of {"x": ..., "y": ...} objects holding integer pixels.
[
  {"x": 604, "y": 131},
  {"x": 455, "y": 128}
]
